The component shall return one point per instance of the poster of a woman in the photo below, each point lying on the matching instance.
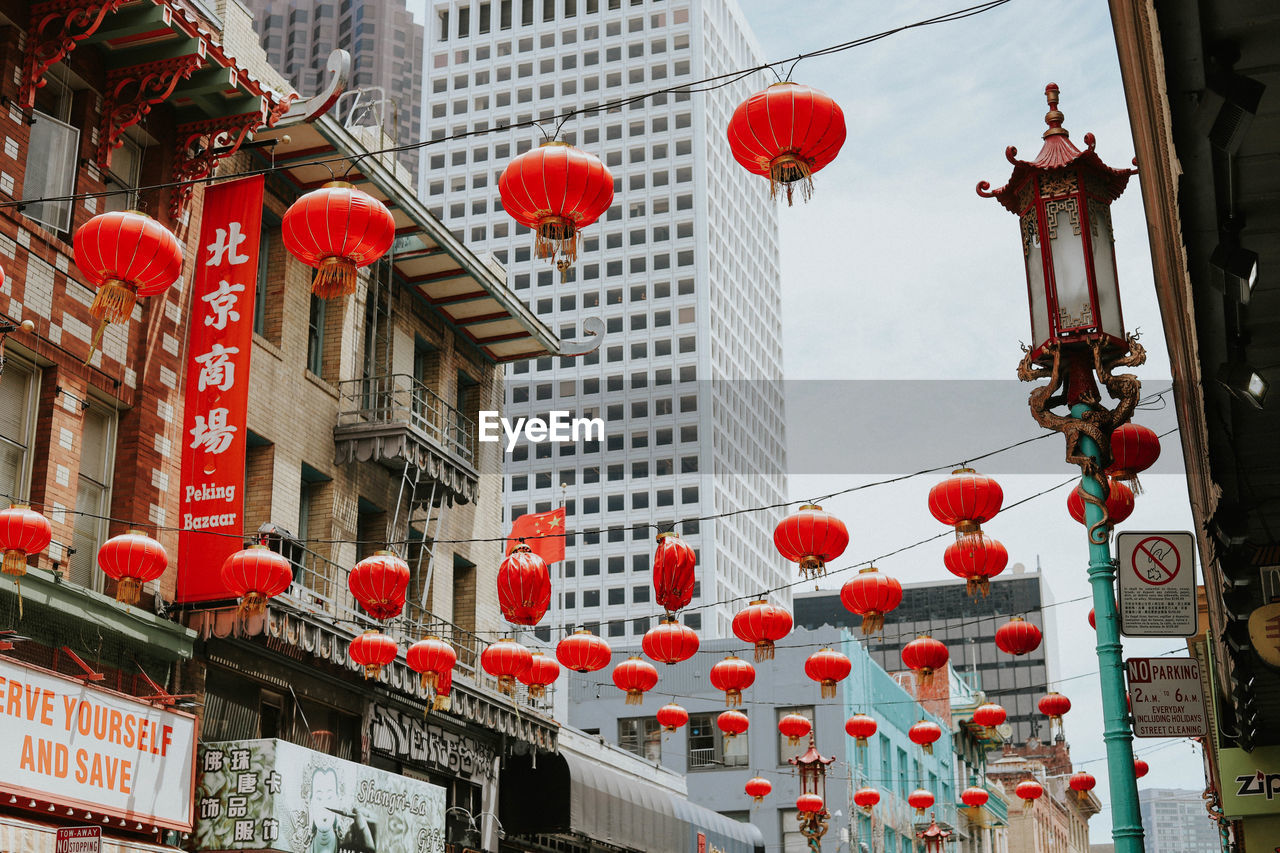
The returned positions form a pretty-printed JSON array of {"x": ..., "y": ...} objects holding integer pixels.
[{"x": 331, "y": 822}]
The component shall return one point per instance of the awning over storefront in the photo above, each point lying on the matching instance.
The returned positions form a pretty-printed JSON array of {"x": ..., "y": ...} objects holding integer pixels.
[
  {"x": 577, "y": 796},
  {"x": 25, "y": 836}
]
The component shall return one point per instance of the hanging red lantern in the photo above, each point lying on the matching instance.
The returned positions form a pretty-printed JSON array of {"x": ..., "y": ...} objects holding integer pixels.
[
  {"x": 431, "y": 658},
  {"x": 670, "y": 642},
  {"x": 925, "y": 655},
  {"x": 124, "y": 255},
  {"x": 989, "y": 715},
  {"x": 977, "y": 558},
  {"x": 732, "y": 675},
  {"x": 255, "y": 575},
  {"x": 794, "y": 727},
  {"x": 673, "y": 579},
  {"x": 966, "y": 500},
  {"x": 827, "y": 666},
  {"x": 762, "y": 624},
  {"x": 583, "y": 651},
  {"x": 920, "y": 799},
  {"x": 812, "y": 538},
  {"x": 506, "y": 660},
  {"x": 787, "y": 133},
  {"x": 866, "y": 798},
  {"x": 1140, "y": 768},
  {"x": 1082, "y": 783},
  {"x": 1134, "y": 449},
  {"x": 974, "y": 797},
  {"x": 1029, "y": 791},
  {"x": 337, "y": 229},
  {"x": 635, "y": 677},
  {"x": 758, "y": 788},
  {"x": 23, "y": 532},
  {"x": 541, "y": 673},
  {"x": 1054, "y": 705},
  {"x": 524, "y": 586},
  {"x": 1093, "y": 623},
  {"x": 810, "y": 804},
  {"x": 924, "y": 734},
  {"x": 672, "y": 717},
  {"x": 1119, "y": 503},
  {"x": 1018, "y": 637},
  {"x": 860, "y": 727},
  {"x": 732, "y": 723},
  {"x": 557, "y": 190},
  {"x": 379, "y": 583},
  {"x": 871, "y": 595},
  {"x": 132, "y": 559},
  {"x": 373, "y": 650}
]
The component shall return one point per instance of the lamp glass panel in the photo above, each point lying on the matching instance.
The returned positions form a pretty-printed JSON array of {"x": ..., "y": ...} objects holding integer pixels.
[
  {"x": 1104, "y": 268},
  {"x": 1070, "y": 274},
  {"x": 1035, "y": 278}
]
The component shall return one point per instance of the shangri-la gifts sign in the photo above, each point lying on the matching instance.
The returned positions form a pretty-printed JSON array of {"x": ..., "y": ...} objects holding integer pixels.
[{"x": 275, "y": 795}]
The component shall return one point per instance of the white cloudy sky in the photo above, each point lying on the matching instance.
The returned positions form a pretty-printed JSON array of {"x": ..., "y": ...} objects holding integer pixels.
[{"x": 898, "y": 271}]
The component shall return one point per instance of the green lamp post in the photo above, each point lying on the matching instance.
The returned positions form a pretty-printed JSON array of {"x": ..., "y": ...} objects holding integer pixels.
[{"x": 1063, "y": 203}]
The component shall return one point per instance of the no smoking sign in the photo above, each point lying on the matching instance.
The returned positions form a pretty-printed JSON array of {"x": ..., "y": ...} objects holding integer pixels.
[{"x": 1157, "y": 584}]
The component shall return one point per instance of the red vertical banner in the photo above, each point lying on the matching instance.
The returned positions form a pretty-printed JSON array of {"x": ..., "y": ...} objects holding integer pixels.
[{"x": 217, "y": 393}]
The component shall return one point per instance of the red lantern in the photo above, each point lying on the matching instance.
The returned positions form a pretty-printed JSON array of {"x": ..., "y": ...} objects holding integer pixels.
[
  {"x": 732, "y": 675},
  {"x": 974, "y": 797},
  {"x": 812, "y": 538},
  {"x": 444, "y": 685},
  {"x": 524, "y": 586},
  {"x": 762, "y": 624},
  {"x": 670, "y": 642},
  {"x": 557, "y": 190},
  {"x": 1082, "y": 783},
  {"x": 1134, "y": 449},
  {"x": 989, "y": 715},
  {"x": 379, "y": 583},
  {"x": 1054, "y": 705},
  {"x": 871, "y": 595},
  {"x": 673, "y": 564},
  {"x": 672, "y": 717},
  {"x": 635, "y": 677},
  {"x": 925, "y": 655},
  {"x": 373, "y": 651},
  {"x": 1018, "y": 637},
  {"x": 1119, "y": 503},
  {"x": 1029, "y": 791},
  {"x": 787, "y": 133},
  {"x": 920, "y": 799},
  {"x": 132, "y": 558},
  {"x": 541, "y": 673},
  {"x": 337, "y": 229},
  {"x": 732, "y": 723},
  {"x": 506, "y": 660},
  {"x": 809, "y": 804},
  {"x": 431, "y": 657},
  {"x": 924, "y": 733},
  {"x": 1093, "y": 623},
  {"x": 826, "y": 667},
  {"x": 977, "y": 558},
  {"x": 124, "y": 255},
  {"x": 965, "y": 500},
  {"x": 583, "y": 651},
  {"x": 23, "y": 532},
  {"x": 256, "y": 575},
  {"x": 860, "y": 727},
  {"x": 865, "y": 798},
  {"x": 758, "y": 788},
  {"x": 794, "y": 727},
  {"x": 1140, "y": 768}
]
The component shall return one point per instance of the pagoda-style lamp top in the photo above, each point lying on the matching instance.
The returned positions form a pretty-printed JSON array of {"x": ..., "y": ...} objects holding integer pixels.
[
  {"x": 1063, "y": 202},
  {"x": 934, "y": 837},
  {"x": 813, "y": 768}
]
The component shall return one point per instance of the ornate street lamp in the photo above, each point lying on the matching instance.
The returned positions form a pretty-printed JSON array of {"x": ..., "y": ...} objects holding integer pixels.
[
  {"x": 934, "y": 837},
  {"x": 1063, "y": 202},
  {"x": 813, "y": 794}
]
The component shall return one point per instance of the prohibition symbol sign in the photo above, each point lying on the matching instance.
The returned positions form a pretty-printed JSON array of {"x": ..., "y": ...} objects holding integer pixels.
[{"x": 1155, "y": 561}]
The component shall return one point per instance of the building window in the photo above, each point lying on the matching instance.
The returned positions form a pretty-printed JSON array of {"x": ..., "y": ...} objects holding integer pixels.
[
  {"x": 315, "y": 335},
  {"x": 51, "y": 157},
  {"x": 708, "y": 747},
  {"x": 642, "y": 736},
  {"x": 17, "y": 425},
  {"x": 93, "y": 492},
  {"x": 786, "y": 750},
  {"x": 126, "y": 166}
]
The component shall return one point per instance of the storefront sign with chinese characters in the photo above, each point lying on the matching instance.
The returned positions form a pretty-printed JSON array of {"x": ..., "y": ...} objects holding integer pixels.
[
  {"x": 217, "y": 389},
  {"x": 408, "y": 737},
  {"x": 275, "y": 795}
]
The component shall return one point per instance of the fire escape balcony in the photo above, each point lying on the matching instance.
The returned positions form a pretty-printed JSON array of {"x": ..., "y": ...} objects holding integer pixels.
[{"x": 397, "y": 421}]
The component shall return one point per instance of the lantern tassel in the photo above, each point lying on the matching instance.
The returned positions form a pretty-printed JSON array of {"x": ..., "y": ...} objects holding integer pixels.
[
  {"x": 764, "y": 650},
  {"x": 828, "y": 689},
  {"x": 928, "y": 749},
  {"x": 113, "y": 303},
  {"x": 15, "y": 563},
  {"x": 732, "y": 698},
  {"x": 635, "y": 697},
  {"x": 336, "y": 277},
  {"x": 872, "y": 622},
  {"x": 978, "y": 586},
  {"x": 786, "y": 171},
  {"x": 811, "y": 568},
  {"x": 251, "y": 603},
  {"x": 128, "y": 590}
]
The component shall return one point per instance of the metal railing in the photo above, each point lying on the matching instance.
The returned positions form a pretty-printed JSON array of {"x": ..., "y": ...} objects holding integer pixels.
[{"x": 398, "y": 398}]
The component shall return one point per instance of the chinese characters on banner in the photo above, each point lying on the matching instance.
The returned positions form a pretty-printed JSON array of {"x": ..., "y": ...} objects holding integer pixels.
[{"x": 217, "y": 390}]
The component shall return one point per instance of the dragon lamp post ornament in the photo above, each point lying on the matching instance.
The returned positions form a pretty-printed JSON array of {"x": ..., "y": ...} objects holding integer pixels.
[{"x": 813, "y": 814}]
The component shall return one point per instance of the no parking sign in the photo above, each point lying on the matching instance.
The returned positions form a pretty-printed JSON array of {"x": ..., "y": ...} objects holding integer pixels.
[{"x": 1157, "y": 582}]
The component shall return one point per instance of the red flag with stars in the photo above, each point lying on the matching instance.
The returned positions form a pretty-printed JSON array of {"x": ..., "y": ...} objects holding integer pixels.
[{"x": 543, "y": 532}]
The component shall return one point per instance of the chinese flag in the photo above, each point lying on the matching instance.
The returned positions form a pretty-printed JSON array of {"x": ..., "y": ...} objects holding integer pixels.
[{"x": 543, "y": 532}]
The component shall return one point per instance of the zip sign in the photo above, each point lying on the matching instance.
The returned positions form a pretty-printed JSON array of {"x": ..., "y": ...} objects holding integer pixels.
[{"x": 1166, "y": 698}]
